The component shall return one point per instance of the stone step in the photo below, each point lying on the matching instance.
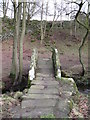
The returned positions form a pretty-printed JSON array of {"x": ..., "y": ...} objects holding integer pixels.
[
  {"x": 40, "y": 82},
  {"x": 44, "y": 86},
  {"x": 40, "y": 96},
  {"x": 63, "y": 108},
  {"x": 44, "y": 75},
  {"x": 45, "y": 70},
  {"x": 45, "y": 78},
  {"x": 40, "y": 87},
  {"x": 37, "y": 112},
  {"x": 38, "y": 103},
  {"x": 44, "y": 91},
  {"x": 44, "y": 64}
]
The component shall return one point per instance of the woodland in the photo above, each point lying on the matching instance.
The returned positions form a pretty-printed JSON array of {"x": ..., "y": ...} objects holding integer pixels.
[{"x": 44, "y": 25}]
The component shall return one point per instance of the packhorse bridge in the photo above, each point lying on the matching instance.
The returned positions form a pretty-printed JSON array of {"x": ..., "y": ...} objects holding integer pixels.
[{"x": 49, "y": 94}]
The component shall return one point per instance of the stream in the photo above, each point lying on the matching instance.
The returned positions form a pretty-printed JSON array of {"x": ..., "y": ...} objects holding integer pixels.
[{"x": 84, "y": 90}]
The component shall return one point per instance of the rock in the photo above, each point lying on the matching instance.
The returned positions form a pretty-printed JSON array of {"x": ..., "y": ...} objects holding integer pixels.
[
  {"x": 7, "y": 98},
  {"x": 64, "y": 74},
  {"x": 76, "y": 70},
  {"x": 25, "y": 91},
  {"x": 18, "y": 95},
  {"x": 72, "y": 84},
  {"x": 2, "y": 85},
  {"x": 77, "y": 113}
]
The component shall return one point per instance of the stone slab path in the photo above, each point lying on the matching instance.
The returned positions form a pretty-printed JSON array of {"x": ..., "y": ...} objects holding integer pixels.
[{"x": 46, "y": 95}]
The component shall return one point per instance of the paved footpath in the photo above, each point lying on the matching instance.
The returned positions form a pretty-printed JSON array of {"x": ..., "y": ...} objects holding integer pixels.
[{"x": 46, "y": 96}]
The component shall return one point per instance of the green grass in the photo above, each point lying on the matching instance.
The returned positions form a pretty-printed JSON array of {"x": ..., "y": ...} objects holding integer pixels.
[
  {"x": 32, "y": 40},
  {"x": 48, "y": 116}
]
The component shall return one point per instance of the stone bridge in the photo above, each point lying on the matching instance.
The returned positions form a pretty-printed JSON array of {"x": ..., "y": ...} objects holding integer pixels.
[{"x": 49, "y": 94}]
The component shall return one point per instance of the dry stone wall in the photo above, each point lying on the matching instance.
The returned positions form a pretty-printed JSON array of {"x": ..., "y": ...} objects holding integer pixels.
[
  {"x": 56, "y": 63},
  {"x": 33, "y": 65},
  {"x": 57, "y": 72}
]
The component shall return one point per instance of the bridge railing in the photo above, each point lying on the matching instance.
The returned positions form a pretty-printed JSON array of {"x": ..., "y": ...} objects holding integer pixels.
[
  {"x": 56, "y": 63},
  {"x": 33, "y": 65},
  {"x": 57, "y": 72}
]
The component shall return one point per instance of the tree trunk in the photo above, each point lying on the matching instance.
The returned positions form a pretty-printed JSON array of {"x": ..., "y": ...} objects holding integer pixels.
[
  {"x": 84, "y": 38},
  {"x": 53, "y": 22},
  {"x": 4, "y": 4},
  {"x": 54, "y": 16},
  {"x": 19, "y": 20},
  {"x": 21, "y": 43},
  {"x": 14, "y": 68},
  {"x": 28, "y": 17},
  {"x": 31, "y": 9},
  {"x": 75, "y": 27},
  {"x": 5, "y": 7},
  {"x": 89, "y": 41},
  {"x": 45, "y": 20},
  {"x": 71, "y": 27},
  {"x": 71, "y": 22},
  {"x": 42, "y": 35},
  {"x": 80, "y": 50}
]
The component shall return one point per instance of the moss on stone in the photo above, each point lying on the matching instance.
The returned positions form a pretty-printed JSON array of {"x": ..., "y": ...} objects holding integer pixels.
[
  {"x": 56, "y": 63},
  {"x": 18, "y": 95},
  {"x": 2, "y": 85},
  {"x": 48, "y": 116},
  {"x": 29, "y": 82},
  {"x": 72, "y": 83},
  {"x": 76, "y": 89},
  {"x": 71, "y": 103}
]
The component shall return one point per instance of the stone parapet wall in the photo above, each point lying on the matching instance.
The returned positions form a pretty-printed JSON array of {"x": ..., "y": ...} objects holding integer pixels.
[
  {"x": 57, "y": 70},
  {"x": 56, "y": 63},
  {"x": 68, "y": 85},
  {"x": 33, "y": 65}
]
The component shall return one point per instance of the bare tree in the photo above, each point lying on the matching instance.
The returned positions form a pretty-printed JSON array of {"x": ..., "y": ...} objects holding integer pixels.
[
  {"x": 31, "y": 6},
  {"x": 54, "y": 16},
  {"x": 5, "y": 7},
  {"x": 17, "y": 18},
  {"x": 42, "y": 34},
  {"x": 21, "y": 42},
  {"x": 45, "y": 23},
  {"x": 86, "y": 26},
  {"x": 14, "y": 68},
  {"x": 71, "y": 22},
  {"x": 61, "y": 14},
  {"x": 89, "y": 40}
]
